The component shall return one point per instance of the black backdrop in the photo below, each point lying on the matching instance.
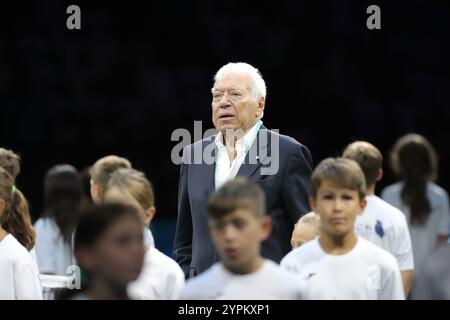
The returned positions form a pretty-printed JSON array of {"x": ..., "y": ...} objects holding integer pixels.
[{"x": 136, "y": 71}]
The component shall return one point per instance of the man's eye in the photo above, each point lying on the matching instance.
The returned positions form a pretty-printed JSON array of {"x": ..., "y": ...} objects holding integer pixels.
[
  {"x": 217, "y": 95},
  {"x": 236, "y": 94},
  {"x": 347, "y": 197},
  {"x": 327, "y": 197}
]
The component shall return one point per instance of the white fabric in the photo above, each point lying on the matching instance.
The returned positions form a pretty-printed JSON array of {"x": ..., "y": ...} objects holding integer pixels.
[
  {"x": 52, "y": 282},
  {"x": 53, "y": 254},
  {"x": 269, "y": 282},
  {"x": 423, "y": 237},
  {"x": 386, "y": 226},
  {"x": 161, "y": 278},
  {"x": 19, "y": 278},
  {"x": 226, "y": 170},
  {"x": 367, "y": 272},
  {"x": 148, "y": 238}
]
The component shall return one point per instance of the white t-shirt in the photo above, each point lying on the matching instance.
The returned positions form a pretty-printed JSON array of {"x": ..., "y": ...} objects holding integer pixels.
[
  {"x": 161, "y": 278},
  {"x": 423, "y": 237},
  {"x": 19, "y": 278},
  {"x": 367, "y": 272},
  {"x": 54, "y": 255},
  {"x": 269, "y": 282},
  {"x": 386, "y": 226},
  {"x": 148, "y": 238}
]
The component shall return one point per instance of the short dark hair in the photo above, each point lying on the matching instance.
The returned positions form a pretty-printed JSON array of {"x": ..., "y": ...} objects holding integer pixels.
[
  {"x": 95, "y": 220},
  {"x": 345, "y": 173},
  {"x": 368, "y": 157},
  {"x": 236, "y": 194}
]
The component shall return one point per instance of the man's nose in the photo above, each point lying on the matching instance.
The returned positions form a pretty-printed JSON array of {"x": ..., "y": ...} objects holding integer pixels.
[
  {"x": 225, "y": 101},
  {"x": 229, "y": 232},
  {"x": 337, "y": 205}
]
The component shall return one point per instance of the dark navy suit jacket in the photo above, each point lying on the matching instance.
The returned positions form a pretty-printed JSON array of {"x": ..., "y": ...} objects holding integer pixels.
[{"x": 286, "y": 197}]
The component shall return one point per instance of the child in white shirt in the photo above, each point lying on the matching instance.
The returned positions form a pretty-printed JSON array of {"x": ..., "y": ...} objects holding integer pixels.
[{"x": 338, "y": 264}]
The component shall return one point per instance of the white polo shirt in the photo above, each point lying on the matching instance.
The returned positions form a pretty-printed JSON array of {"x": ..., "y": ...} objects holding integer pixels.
[
  {"x": 367, "y": 272},
  {"x": 226, "y": 170},
  {"x": 386, "y": 226},
  {"x": 269, "y": 282}
]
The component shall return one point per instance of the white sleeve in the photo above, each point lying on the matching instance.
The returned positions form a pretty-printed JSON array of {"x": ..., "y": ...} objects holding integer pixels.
[
  {"x": 391, "y": 284},
  {"x": 148, "y": 238},
  {"x": 26, "y": 281},
  {"x": 175, "y": 284},
  {"x": 187, "y": 293},
  {"x": 45, "y": 251},
  {"x": 401, "y": 245},
  {"x": 444, "y": 216}
]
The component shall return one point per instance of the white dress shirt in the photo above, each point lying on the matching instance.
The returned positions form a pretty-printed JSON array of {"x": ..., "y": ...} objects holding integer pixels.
[{"x": 226, "y": 170}]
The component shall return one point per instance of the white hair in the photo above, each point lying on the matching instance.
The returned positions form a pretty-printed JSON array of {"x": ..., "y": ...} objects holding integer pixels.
[
  {"x": 258, "y": 87},
  {"x": 311, "y": 218}
]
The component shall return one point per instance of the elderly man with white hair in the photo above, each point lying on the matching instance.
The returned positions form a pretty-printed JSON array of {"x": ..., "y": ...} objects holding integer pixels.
[{"x": 243, "y": 146}]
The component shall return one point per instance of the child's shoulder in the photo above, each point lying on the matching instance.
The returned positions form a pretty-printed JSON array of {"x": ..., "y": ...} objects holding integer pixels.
[
  {"x": 200, "y": 286},
  {"x": 376, "y": 255},
  {"x": 385, "y": 210},
  {"x": 304, "y": 252},
  {"x": 15, "y": 252}
]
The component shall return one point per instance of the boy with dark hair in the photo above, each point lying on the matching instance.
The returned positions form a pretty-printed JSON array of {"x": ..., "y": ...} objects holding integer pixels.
[
  {"x": 338, "y": 264},
  {"x": 238, "y": 224}
]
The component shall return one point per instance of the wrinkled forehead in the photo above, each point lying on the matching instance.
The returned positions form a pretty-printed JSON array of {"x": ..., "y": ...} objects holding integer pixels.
[{"x": 233, "y": 80}]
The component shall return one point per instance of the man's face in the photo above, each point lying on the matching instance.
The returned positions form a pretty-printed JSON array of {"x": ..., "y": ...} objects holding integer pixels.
[
  {"x": 233, "y": 105},
  {"x": 119, "y": 253},
  {"x": 303, "y": 233},
  {"x": 337, "y": 207},
  {"x": 237, "y": 237}
]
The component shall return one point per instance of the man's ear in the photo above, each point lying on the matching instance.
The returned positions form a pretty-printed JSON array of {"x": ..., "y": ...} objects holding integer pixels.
[
  {"x": 312, "y": 203},
  {"x": 261, "y": 105},
  {"x": 362, "y": 205},
  {"x": 96, "y": 192},
  {"x": 380, "y": 175},
  {"x": 266, "y": 226},
  {"x": 148, "y": 215}
]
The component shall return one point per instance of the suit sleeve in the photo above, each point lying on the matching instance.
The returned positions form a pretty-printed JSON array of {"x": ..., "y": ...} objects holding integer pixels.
[
  {"x": 183, "y": 234},
  {"x": 297, "y": 183}
]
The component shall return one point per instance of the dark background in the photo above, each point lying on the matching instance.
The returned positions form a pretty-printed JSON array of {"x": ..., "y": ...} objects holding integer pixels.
[{"x": 136, "y": 71}]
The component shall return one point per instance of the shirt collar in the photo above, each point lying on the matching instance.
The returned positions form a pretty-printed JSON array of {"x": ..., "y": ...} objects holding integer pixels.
[{"x": 244, "y": 142}]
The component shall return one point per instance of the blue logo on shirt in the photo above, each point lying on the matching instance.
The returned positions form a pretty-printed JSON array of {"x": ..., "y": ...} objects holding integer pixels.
[{"x": 379, "y": 229}]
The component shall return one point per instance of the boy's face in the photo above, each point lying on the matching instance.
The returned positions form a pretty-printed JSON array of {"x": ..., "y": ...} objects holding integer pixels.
[
  {"x": 303, "y": 233},
  {"x": 118, "y": 255},
  {"x": 338, "y": 208},
  {"x": 237, "y": 237}
]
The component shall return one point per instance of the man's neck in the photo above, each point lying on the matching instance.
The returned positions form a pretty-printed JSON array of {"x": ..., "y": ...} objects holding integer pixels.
[
  {"x": 3, "y": 234},
  {"x": 370, "y": 191},
  {"x": 234, "y": 135},
  {"x": 248, "y": 268},
  {"x": 101, "y": 290}
]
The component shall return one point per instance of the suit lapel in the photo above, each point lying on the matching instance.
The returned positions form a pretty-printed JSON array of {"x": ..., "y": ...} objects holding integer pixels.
[
  {"x": 256, "y": 155},
  {"x": 208, "y": 170}
]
